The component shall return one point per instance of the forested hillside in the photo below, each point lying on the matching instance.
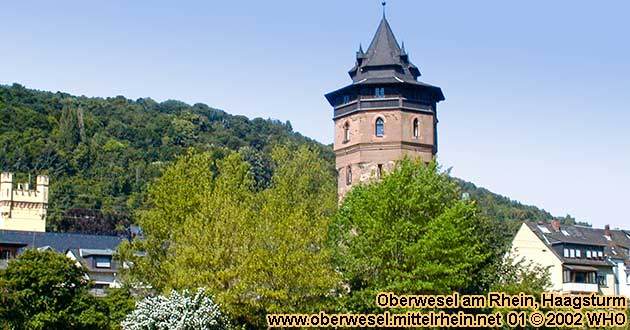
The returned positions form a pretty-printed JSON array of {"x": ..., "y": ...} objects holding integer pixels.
[
  {"x": 101, "y": 152},
  {"x": 505, "y": 210}
]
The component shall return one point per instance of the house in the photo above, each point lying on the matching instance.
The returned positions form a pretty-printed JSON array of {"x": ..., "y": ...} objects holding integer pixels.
[
  {"x": 99, "y": 264},
  {"x": 580, "y": 259},
  {"x": 94, "y": 253}
]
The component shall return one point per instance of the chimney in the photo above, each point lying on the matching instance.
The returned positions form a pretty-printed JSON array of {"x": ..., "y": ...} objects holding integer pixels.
[
  {"x": 607, "y": 230},
  {"x": 555, "y": 224}
]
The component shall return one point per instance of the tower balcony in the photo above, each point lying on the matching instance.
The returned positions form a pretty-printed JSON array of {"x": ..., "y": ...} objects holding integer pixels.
[{"x": 364, "y": 104}]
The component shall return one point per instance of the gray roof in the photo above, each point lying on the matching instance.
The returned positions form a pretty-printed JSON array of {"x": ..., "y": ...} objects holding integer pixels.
[
  {"x": 615, "y": 247},
  {"x": 61, "y": 242},
  {"x": 384, "y": 58},
  {"x": 385, "y": 62},
  {"x": 86, "y": 260}
]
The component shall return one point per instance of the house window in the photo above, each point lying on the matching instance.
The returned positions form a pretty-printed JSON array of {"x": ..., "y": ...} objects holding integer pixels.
[
  {"x": 379, "y": 92},
  {"x": 346, "y": 132},
  {"x": 566, "y": 276},
  {"x": 416, "y": 129},
  {"x": 601, "y": 280},
  {"x": 566, "y": 253},
  {"x": 346, "y": 98},
  {"x": 588, "y": 254},
  {"x": 578, "y": 254},
  {"x": 349, "y": 175},
  {"x": 572, "y": 251},
  {"x": 600, "y": 254},
  {"x": 379, "y": 127}
]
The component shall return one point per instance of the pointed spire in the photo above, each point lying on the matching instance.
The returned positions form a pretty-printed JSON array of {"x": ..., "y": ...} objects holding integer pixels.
[
  {"x": 384, "y": 48},
  {"x": 384, "y": 58},
  {"x": 384, "y": 3}
]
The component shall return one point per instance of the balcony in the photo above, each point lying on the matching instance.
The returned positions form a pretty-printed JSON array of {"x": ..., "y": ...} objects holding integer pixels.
[
  {"x": 371, "y": 103},
  {"x": 580, "y": 287}
]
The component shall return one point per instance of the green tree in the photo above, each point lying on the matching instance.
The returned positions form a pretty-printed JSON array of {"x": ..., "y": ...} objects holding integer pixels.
[
  {"x": 409, "y": 233},
  {"x": 289, "y": 266},
  {"x": 46, "y": 290},
  {"x": 257, "y": 251},
  {"x": 515, "y": 276},
  {"x": 69, "y": 134}
]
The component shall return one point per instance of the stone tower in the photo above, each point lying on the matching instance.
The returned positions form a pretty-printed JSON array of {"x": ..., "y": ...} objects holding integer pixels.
[
  {"x": 385, "y": 114},
  {"x": 23, "y": 208}
]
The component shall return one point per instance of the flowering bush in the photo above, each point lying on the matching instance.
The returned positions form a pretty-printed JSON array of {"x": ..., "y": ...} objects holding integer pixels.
[{"x": 183, "y": 311}]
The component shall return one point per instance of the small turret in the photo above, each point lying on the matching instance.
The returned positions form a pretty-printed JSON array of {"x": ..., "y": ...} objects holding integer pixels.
[
  {"x": 6, "y": 185},
  {"x": 42, "y": 187}
]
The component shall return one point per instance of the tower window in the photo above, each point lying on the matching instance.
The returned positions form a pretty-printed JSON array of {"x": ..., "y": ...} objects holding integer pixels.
[
  {"x": 379, "y": 127},
  {"x": 379, "y": 92},
  {"x": 346, "y": 98},
  {"x": 416, "y": 128},
  {"x": 348, "y": 175},
  {"x": 346, "y": 132}
]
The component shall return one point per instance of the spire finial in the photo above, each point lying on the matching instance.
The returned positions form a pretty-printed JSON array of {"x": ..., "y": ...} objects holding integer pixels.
[{"x": 384, "y": 3}]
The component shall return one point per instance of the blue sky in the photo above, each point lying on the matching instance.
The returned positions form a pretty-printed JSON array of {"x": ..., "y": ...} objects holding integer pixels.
[{"x": 537, "y": 92}]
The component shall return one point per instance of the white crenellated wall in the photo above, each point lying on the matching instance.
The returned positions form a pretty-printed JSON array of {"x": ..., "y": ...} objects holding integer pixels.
[{"x": 21, "y": 206}]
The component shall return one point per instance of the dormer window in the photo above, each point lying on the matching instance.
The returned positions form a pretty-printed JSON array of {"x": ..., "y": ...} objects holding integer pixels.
[
  {"x": 346, "y": 132},
  {"x": 379, "y": 127},
  {"x": 379, "y": 92},
  {"x": 102, "y": 262},
  {"x": 415, "y": 128}
]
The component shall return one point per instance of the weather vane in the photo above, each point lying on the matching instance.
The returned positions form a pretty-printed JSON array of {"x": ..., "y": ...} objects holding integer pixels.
[{"x": 384, "y": 3}]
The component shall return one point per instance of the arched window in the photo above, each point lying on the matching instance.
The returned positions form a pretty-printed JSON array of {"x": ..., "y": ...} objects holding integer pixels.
[
  {"x": 346, "y": 132},
  {"x": 348, "y": 175},
  {"x": 416, "y": 128},
  {"x": 379, "y": 127}
]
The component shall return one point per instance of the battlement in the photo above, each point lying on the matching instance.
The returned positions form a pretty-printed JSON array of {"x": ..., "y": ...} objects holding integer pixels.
[
  {"x": 22, "y": 206},
  {"x": 6, "y": 177}
]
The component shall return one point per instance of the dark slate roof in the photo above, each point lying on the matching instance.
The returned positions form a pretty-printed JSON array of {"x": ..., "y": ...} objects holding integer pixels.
[
  {"x": 61, "y": 242},
  {"x": 384, "y": 58},
  {"x": 615, "y": 247},
  {"x": 86, "y": 261},
  {"x": 576, "y": 234}
]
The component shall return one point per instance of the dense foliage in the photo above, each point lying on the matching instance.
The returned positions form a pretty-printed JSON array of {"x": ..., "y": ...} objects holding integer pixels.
[
  {"x": 256, "y": 251},
  {"x": 507, "y": 212},
  {"x": 101, "y": 153},
  {"x": 46, "y": 290},
  {"x": 185, "y": 311},
  {"x": 410, "y": 232},
  {"x": 245, "y": 208}
]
